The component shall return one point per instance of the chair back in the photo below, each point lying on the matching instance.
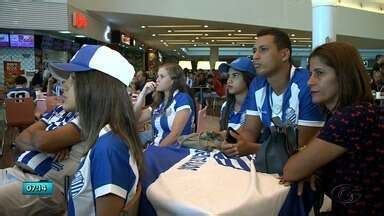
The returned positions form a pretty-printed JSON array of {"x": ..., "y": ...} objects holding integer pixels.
[{"x": 19, "y": 112}]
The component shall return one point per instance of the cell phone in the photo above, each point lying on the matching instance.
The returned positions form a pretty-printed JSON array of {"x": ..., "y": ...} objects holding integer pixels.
[{"x": 229, "y": 138}]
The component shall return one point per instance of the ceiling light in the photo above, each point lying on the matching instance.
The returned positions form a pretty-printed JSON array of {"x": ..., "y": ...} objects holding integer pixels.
[
  {"x": 80, "y": 36},
  {"x": 207, "y": 43},
  {"x": 197, "y": 38},
  {"x": 183, "y": 56},
  {"x": 143, "y": 27},
  {"x": 205, "y": 26},
  {"x": 233, "y": 43},
  {"x": 245, "y": 35},
  {"x": 174, "y": 50},
  {"x": 179, "y": 34},
  {"x": 153, "y": 35},
  {"x": 140, "y": 48},
  {"x": 229, "y": 34},
  {"x": 213, "y": 40},
  {"x": 169, "y": 30},
  {"x": 255, "y": 38},
  {"x": 204, "y": 30},
  {"x": 216, "y": 38},
  {"x": 309, "y": 45},
  {"x": 293, "y": 35},
  {"x": 161, "y": 41},
  {"x": 65, "y": 32},
  {"x": 242, "y": 44},
  {"x": 194, "y": 44},
  {"x": 294, "y": 41},
  {"x": 174, "y": 26},
  {"x": 193, "y": 40},
  {"x": 239, "y": 30},
  {"x": 205, "y": 34}
]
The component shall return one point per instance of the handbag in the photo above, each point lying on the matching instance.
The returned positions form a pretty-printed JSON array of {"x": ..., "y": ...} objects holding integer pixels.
[{"x": 279, "y": 142}]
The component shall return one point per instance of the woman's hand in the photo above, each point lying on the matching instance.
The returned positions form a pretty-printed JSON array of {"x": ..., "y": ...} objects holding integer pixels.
[
  {"x": 149, "y": 87},
  {"x": 62, "y": 155},
  {"x": 240, "y": 148}
]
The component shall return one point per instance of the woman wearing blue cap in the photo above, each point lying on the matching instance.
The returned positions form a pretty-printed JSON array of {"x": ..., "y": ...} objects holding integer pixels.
[
  {"x": 108, "y": 174},
  {"x": 240, "y": 74}
]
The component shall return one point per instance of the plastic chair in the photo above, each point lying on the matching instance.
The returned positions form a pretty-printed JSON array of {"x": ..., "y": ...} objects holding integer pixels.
[
  {"x": 132, "y": 207},
  {"x": 19, "y": 114}
]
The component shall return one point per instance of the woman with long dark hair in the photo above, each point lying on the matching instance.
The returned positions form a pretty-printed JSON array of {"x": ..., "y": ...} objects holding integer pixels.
[
  {"x": 173, "y": 111},
  {"x": 240, "y": 75},
  {"x": 108, "y": 174},
  {"x": 348, "y": 152}
]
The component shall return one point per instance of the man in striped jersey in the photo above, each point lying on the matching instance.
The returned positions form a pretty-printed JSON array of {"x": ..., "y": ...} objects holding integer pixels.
[
  {"x": 52, "y": 149},
  {"x": 279, "y": 90}
]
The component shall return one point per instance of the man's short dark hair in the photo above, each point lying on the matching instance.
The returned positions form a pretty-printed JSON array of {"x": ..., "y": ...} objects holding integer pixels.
[
  {"x": 280, "y": 38},
  {"x": 20, "y": 80}
]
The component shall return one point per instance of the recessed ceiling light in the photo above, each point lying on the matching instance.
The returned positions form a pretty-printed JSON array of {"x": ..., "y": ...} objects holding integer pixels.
[
  {"x": 242, "y": 44},
  {"x": 80, "y": 36},
  {"x": 233, "y": 43},
  {"x": 229, "y": 34},
  {"x": 239, "y": 30},
  {"x": 174, "y": 50},
  {"x": 196, "y": 38},
  {"x": 169, "y": 30},
  {"x": 255, "y": 38},
  {"x": 161, "y": 41},
  {"x": 205, "y": 26},
  {"x": 207, "y": 43},
  {"x": 194, "y": 44},
  {"x": 205, "y": 34},
  {"x": 293, "y": 35},
  {"x": 213, "y": 40},
  {"x": 309, "y": 45},
  {"x": 166, "y": 45},
  {"x": 65, "y": 32},
  {"x": 154, "y": 35},
  {"x": 193, "y": 40},
  {"x": 294, "y": 41},
  {"x": 143, "y": 27}
]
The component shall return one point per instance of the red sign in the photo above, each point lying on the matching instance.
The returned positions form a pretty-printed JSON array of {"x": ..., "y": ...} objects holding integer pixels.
[{"x": 79, "y": 20}]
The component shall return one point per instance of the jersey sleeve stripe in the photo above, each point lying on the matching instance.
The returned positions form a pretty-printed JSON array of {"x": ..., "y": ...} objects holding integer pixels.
[
  {"x": 310, "y": 123},
  {"x": 253, "y": 112},
  {"x": 183, "y": 107},
  {"x": 110, "y": 188}
]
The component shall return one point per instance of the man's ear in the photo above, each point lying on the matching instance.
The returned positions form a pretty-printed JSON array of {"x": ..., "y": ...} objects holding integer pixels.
[{"x": 285, "y": 54}]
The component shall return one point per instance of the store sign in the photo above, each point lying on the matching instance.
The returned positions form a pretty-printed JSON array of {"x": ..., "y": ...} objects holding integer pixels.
[{"x": 79, "y": 20}]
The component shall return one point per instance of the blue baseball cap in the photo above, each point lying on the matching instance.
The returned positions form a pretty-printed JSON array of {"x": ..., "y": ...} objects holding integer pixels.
[
  {"x": 242, "y": 64},
  {"x": 101, "y": 58}
]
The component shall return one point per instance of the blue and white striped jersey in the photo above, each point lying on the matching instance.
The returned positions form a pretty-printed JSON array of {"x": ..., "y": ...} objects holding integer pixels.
[
  {"x": 297, "y": 107},
  {"x": 108, "y": 168},
  {"x": 38, "y": 162},
  {"x": 163, "y": 120},
  {"x": 235, "y": 119}
]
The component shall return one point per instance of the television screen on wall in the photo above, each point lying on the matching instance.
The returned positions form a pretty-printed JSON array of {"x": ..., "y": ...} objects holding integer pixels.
[
  {"x": 4, "y": 40},
  {"x": 22, "y": 40}
]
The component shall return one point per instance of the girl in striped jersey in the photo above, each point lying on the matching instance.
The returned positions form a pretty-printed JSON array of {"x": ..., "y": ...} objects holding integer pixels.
[
  {"x": 241, "y": 73},
  {"x": 173, "y": 108},
  {"x": 107, "y": 177}
]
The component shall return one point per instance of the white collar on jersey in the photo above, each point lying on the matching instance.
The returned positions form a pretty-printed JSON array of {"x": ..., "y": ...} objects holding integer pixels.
[
  {"x": 105, "y": 130},
  {"x": 175, "y": 92},
  {"x": 293, "y": 68}
]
